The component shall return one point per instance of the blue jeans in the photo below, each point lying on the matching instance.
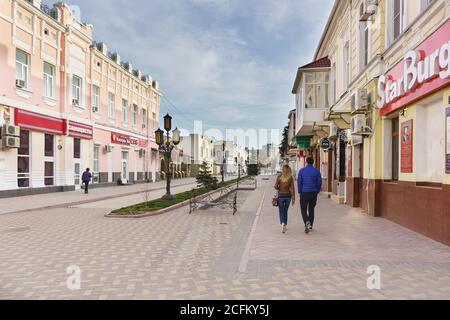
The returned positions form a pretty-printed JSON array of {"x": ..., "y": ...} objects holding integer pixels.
[{"x": 283, "y": 207}]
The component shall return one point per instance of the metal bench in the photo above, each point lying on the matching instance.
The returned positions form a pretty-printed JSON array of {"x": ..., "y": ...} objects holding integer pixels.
[{"x": 225, "y": 198}]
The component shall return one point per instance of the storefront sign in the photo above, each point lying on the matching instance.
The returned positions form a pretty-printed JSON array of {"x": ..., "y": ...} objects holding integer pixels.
[
  {"x": 5, "y": 115},
  {"x": 447, "y": 152},
  {"x": 127, "y": 140},
  {"x": 422, "y": 72},
  {"x": 79, "y": 130},
  {"x": 38, "y": 122},
  {"x": 407, "y": 147}
]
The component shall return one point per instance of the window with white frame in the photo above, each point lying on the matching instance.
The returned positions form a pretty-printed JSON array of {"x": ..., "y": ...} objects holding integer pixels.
[
  {"x": 135, "y": 115},
  {"x": 111, "y": 104},
  {"x": 49, "y": 80},
  {"x": 144, "y": 119},
  {"x": 363, "y": 42},
  {"x": 334, "y": 88},
  {"x": 76, "y": 90},
  {"x": 316, "y": 89},
  {"x": 22, "y": 68},
  {"x": 346, "y": 65},
  {"x": 395, "y": 20},
  {"x": 96, "y": 98},
  {"x": 124, "y": 111}
]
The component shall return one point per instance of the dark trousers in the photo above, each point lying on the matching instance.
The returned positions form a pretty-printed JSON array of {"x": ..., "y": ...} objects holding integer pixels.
[
  {"x": 308, "y": 201},
  {"x": 86, "y": 187}
]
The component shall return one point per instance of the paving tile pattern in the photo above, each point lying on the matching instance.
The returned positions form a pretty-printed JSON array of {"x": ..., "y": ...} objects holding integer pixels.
[{"x": 197, "y": 256}]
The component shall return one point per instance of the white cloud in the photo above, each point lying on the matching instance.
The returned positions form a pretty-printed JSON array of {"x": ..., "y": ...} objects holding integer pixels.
[{"x": 223, "y": 54}]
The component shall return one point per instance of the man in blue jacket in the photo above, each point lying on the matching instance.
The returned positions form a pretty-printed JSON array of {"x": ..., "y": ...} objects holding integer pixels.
[
  {"x": 309, "y": 185},
  {"x": 86, "y": 178}
]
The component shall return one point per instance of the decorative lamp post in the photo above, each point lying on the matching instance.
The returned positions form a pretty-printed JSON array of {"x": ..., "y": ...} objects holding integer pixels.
[
  {"x": 223, "y": 162},
  {"x": 165, "y": 147}
]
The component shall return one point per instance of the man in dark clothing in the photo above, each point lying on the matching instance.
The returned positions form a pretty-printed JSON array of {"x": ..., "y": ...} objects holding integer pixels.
[
  {"x": 309, "y": 186},
  {"x": 86, "y": 178}
]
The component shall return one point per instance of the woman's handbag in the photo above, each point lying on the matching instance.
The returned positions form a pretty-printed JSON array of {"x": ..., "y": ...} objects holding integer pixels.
[{"x": 275, "y": 200}]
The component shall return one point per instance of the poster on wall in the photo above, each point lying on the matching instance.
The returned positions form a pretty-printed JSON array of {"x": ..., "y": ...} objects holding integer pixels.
[
  {"x": 447, "y": 150},
  {"x": 407, "y": 147}
]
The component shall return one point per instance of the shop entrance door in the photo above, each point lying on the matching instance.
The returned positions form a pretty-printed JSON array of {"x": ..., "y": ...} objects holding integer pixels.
[
  {"x": 124, "y": 174},
  {"x": 77, "y": 173}
]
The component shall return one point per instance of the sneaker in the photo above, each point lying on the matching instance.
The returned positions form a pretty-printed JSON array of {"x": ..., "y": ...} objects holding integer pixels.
[
  {"x": 284, "y": 228},
  {"x": 310, "y": 227},
  {"x": 307, "y": 227}
]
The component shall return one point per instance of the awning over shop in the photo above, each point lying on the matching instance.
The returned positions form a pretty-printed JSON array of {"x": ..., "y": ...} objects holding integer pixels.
[{"x": 303, "y": 142}]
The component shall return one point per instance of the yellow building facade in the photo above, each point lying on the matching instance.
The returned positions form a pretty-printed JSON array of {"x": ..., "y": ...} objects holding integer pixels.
[{"x": 388, "y": 117}]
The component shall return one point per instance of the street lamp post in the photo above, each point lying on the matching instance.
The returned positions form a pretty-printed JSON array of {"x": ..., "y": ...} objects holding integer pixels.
[
  {"x": 223, "y": 162},
  {"x": 165, "y": 147}
]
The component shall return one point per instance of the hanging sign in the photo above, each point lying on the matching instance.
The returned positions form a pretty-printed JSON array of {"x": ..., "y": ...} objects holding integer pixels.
[
  {"x": 325, "y": 143},
  {"x": 407, "y": 147}
]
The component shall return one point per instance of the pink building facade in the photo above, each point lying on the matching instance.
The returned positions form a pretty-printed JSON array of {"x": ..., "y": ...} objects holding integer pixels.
[{"x": 67, "y": 104}]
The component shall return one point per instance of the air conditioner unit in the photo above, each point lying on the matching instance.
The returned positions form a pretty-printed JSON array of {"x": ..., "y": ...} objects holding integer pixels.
[
  {"x": 368, "y": 9},
  {"x": 20, "y": 83},
  {"x": 141, "y": 153},
  {"x": 75, "y": 102},
  {"x": 360, "y": 101},
  {"x": 10, "y": 130},
  {"x": 359, "y": 125},
  {"x": 10, "y": 142},
  {"x": 355, "y": 140},
  {"x": 333, "y": 130},
  {"x": 108, "y": 148},
  {"x": 95, "y": 109}
]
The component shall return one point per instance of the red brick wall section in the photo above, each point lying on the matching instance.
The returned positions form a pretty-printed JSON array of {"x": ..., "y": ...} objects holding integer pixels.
[{"x": 425, "y": 210}]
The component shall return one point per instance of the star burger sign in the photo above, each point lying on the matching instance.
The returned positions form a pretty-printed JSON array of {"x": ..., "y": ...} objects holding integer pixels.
[{"x": 422, "y": 72}]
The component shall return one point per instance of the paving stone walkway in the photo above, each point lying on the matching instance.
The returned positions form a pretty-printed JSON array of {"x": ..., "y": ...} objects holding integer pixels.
[{"x": 212, "y": 254}]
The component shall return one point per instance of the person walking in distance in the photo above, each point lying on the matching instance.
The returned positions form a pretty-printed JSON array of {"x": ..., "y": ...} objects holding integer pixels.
[
  {"x": 286, "y": 194},
  {"x": 309, "y": 186},
  {"x": 86, "y": 178}
]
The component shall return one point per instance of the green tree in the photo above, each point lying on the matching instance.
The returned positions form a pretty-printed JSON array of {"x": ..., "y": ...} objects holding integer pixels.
[
  {"x": 205, "y": 179},
  {"x": 284, "y": 147}
]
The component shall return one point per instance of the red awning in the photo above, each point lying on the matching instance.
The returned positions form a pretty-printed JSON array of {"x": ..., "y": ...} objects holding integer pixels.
[{"x": 38, "y": 122}]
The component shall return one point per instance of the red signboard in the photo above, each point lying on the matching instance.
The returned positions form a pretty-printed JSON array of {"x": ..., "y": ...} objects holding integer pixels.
[
  {"x": 79, "y": 130},
  {"x": 127, "y": 140},
  {"x": 38, "y": 122},
  {"x": 422, "y": 72},
  {"x": 407, "y": 147}
]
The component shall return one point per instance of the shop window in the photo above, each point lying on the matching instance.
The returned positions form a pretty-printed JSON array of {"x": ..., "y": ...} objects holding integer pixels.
[
  {"x": 395, "y": 149},
  {"x": 23, "y": 160},
  {"x": 22, "y": 68},
  {"x": 49, "y": 146},
  {"x": 49, "y": 80},
  {"x": 428, "y": 131},
  {"x": 76, "y": 148}
]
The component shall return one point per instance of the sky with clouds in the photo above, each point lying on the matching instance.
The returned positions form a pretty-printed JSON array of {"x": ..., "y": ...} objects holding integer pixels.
[{"x": 229, "y": 63}]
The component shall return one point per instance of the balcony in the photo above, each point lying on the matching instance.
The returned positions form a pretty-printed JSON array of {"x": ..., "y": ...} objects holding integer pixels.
[{"x": 312, "y": 101}]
